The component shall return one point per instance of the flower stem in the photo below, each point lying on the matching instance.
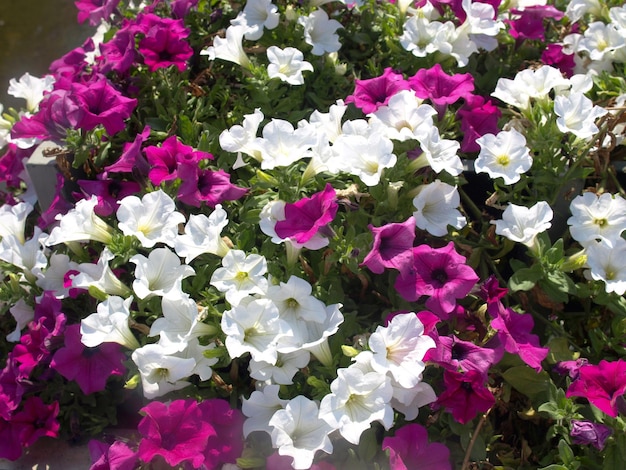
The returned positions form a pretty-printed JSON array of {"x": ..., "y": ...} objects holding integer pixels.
[{"x": 479, "y": 426}]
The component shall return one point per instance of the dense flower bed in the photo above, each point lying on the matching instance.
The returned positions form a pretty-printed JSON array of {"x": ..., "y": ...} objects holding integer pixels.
[{"x": 322, "y": 235}]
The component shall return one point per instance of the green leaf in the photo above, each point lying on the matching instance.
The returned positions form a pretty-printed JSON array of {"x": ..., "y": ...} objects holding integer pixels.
[
  {"x": 525, "y": 278},
  {"x": 566, "y": 453},
  {"x": 527, "y": 380}
]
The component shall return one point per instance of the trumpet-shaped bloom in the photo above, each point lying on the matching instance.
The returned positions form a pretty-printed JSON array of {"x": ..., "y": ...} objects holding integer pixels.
[
  {"x": 295, "y": 302},
  {"x": 372, "y": 93},
  {"x": 320, "y": 32},
  {"x": 260, "y": 407},
  {"x": 597, "y": 217},
  {"x": 254, "y": 327},
  {"x": 364, "y": 156},
  {"x": 405, "y": 116},
  {"x": 577, "y": 114},
  {"x": 602, "y": 384},
  {"x": 529, "y": 84},
  {"x": 100, "y": 276},
  {"x": 240, "y": 275},
  {"x": 203, "y": 235},
  {"x": 422, "y": 37},
  {"x": 357, "y": 399},
  {"x": 588, "y": 432},
  {"x": 441, "y": 154},
  {"x": 159, "y": 274},
  {"x": 392, "y": 247},
  {"x": 81, "y": 224},
  {"x": 399, "y": 349},
  {"x": 409, "y": 449},
  {"x": 88, "y": 367},
  {"x": 522, "y": 224},
  {"x": 110, "y": 324},
  {"x": 503, "y": 155},
  {"x": 308, "y": 216},
  {"x": 465, "y": 395},
  {"x": 287, "y": 365},
  {"x": 161, "y": 370},
  {"x": 35, "y": 420},
  {"x": 165, "y": 160},
  {"x": 175, "y": 431},
  {"x": 439, "y": 87},
  {"x": 31, "y": 88},
  {"x": 257, "y": 15},
  {"x": 439, "y": 273},
  {"x": 243, "y": 139},
  {"x": 283, "y": 145},
  {"x": 606, "y": 264},
  {"x": 229, "y": 48},
  {"x": 287, "y": 64},
  {"x": 436, "y": 208},
  {"x": 152, "y": 219},
  {"x": 164, "y": 43},
  {"x": 299, "y": 433}
]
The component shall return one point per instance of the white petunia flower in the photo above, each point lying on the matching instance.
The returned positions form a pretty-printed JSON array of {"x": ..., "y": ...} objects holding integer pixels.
[
  {"x": 504, "y": 155},
  {"x": 243, "y": 139},
  {"x": 529, "y": 84},
  {"x": 229, "y": 48},
  {"x": 161, "y": 371},
  {"x": 54, "y": 277},
  {"x": 23, "y": 315},
  {"x": 436, "y": 207},
  {"x": 260, "y": 407},
  {"x": 522, "y": 224},
  {"x": 577, "y": 114},
  {"x": 100, "y": 276},
  {"x": 257, "y": 15},
  {"x": 254, "y": 327},
  {"x": 422, "y": 37},
  {"x": 365, "y": 157},
  {"x": 240, "y": 275},
  {"x": 405, "y": 117},
  {"x": 152, "y": 219},
  {"x": 606, "y": 264},
  {"x": 287, "y": 64},
  {"x": 597, "y": 217},
  {"x": 399, "y": 349},
  {"x": 81, "y": 224},
  {"x": 295, "y": 302},
  {"x": 283, "y": 145},
  {"x": 203, "y": 235},
  {"x": 441, "y": 154},
  {"x": 356, "y": 400},
  {"x": 299, "y": 433},
  {"x": 109, "y": 324},
  {"x": 31, "y": 88},
  {"x": 159, "y": 274},
  {"x": 13, "y": 219},
  {"x": 28, "y": 256},
  {"x": 287, "y": 365},
  {"x": 320, "y": 32}
]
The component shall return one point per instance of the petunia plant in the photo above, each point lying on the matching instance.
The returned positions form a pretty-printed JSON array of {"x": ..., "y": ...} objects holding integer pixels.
[{"x": 323, "y": 234}]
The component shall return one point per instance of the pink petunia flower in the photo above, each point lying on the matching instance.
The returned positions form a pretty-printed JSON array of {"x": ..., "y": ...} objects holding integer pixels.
[
  {"x": 308, "y": 216},
  {"x": 108, "y": 192},
  {"x": 164, "y": 43},
  {"x": 177, "y": 432},
  {"x": 35, "y": 420},
  {"x": 478, "y": 117},
  {"x": 371, "y": 94},
  {"x": 465, "y": 395},
  {"x": 165, "y": 160},
  {"x": 439, "y": 87},
  {"x": 529, "y": 24},
  {"x": 10, "y": 445},
  {"x": 439, "y": 273},
  {"x": 89, "y": 367},
  {"x": 555, "y": 56},
  {"x": 132, "y": 160},
  {"x": 116, "y": 456},
  {"x": 409, "y": 449},
  {"x": 453, "y": 353},
  {"x": 95, "y": 10},
  {"x": 227, "y": 445},
  {"x": 120, "y": 53},
  {"x": 392, "y": 247},
  {"x": 208, "y": 186},
  {"x": 601, "y": 384}
]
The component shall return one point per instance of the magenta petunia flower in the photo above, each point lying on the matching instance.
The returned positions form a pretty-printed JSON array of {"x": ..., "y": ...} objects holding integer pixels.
[
  {"x": 439, "y": 87},
  {"x": 35, "y": 420},
  {"x": 601, "y": 384},
  {"x": 120, "y": 53},
  {"x": 164, "y": 160},
  {"x": 180, "y": 8},
  {"x": 108, "y": 192},
  {"x": 208, "y": 186},
  {"x": 178, "y": 432},
  {"x": 514, "y": 331},
  {"x": 306, "y": 217},
  {"x": 100, "y": 104},
  {"x": 453, "y": 353},
  {"x": 116, "y": 456},
  {"x": 439, "y": 273},
  {"x": 12, "y": 164},
  {"x": 478, "y": 117},
  {"x": 10, "y": 445},
  {"x": 225, "y": 446},
  {"x": 89, "y": 367},
  {"x": 554, "y": 55},
  {"x": 588, "y": 432},
  {"x": 409, "y": 449},
  {"x": 95, "y": 10},
  {"x": 392, "y": 247},
  {"x": 371, "y": 94},
  {"x": 165, "y": 44},
  {"x": 132, "y": 160},
  {"x": 465, "y": 395},
  {"x": 571, "y": 368},
  {"x": 12, "y": 389},
  {"x": 529, "y": 25}
]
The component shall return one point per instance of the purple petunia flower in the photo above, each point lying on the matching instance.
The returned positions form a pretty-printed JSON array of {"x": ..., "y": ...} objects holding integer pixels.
[
  {"x": 95, "y": 10},
  {"x": 478, "y": 117},
  {"x": 177, "y": 432},
  {"x": 465, "y": 395},
  {"x": 35, "y": 420},
  {"x": 439, "y": 273},
  {"x": 555, "y": 56},
  {"x": 180, "y": 8},
  {"x": 529, "y": 25},
  {"x": 371, "y": 94},
  {"x": 453, "y": 353},
  {"x": 164, "y": 43},
  {"x": 392, "y": 247},
  {"x": 116, "y": 456},
  {"x": 309, "y": 215},
  {"x": 208, "y": 186},
  {"x": 120, "y": 53},
  {"x": 439, "y": 87},
  {"x": 601, "y": 384},
  {"x": 165, "y": 160},
  {"x": 409, "y": 449},
  {"x": 227, "y": 445},
  {"x": 108, "y": 193},
  {"x": 89, "y": 367},
  {"x": 588, "y": 432},
  {"x": 132, "y": 160}
]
